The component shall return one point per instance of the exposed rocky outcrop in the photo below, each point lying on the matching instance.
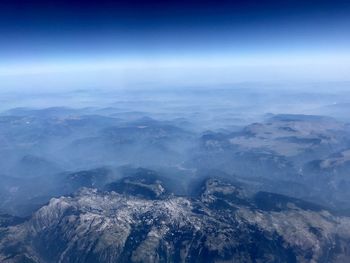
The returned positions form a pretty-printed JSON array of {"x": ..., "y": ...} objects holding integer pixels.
[{"x": 221, "y": 224}]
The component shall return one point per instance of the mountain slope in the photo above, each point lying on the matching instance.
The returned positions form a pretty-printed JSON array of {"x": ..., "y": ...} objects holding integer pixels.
[{"x": 222, "y": 224}]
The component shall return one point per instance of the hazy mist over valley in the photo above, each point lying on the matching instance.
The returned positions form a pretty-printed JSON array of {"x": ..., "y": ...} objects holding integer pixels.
[{"x": 290, "y": 141}]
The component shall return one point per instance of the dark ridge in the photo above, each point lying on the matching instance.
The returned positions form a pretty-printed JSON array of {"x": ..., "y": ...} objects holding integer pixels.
[
  {"x": 7, "y": 220},
  {"x": 142, "y": 183},
  {"x": 276, "y": 202},
  {"x": 299, "y": 117}
]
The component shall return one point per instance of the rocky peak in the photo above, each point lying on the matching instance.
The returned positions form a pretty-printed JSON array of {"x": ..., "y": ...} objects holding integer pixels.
[{"x": 95, "y": 226}]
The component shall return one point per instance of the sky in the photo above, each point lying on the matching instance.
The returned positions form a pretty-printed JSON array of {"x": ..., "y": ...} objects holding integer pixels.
[{"x": 69, "y": 43}]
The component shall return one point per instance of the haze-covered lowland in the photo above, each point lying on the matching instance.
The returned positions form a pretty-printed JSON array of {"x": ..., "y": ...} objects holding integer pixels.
[{"x": 247, "y": 172}]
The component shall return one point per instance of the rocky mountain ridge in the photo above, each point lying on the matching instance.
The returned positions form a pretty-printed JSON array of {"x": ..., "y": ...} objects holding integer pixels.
[{"x": 222, "y": 224}]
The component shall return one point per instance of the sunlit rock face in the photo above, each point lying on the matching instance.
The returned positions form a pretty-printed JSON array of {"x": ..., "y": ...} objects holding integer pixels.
[{"x": 223, "y": 223}]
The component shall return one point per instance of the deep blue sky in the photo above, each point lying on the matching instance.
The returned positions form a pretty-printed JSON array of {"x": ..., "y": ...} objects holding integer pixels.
[
  {"x": 45, "y": 28},
  {"x": 36, "y": 31}
]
